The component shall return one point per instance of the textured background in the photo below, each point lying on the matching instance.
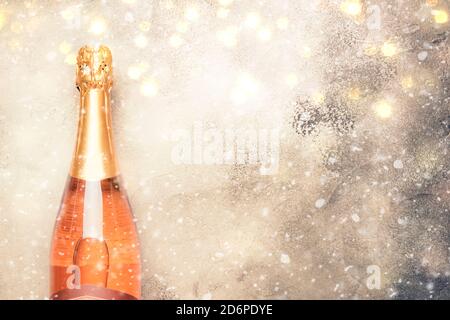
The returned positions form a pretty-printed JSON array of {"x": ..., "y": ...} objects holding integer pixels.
[{"x": 359, "y": 91}]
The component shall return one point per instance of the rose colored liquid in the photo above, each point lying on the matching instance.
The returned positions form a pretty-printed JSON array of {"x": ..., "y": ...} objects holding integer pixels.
[{"x": 107, "y": 252}]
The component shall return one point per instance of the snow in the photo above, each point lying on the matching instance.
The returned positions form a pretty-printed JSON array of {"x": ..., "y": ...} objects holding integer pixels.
[
  {"x": 320, "y": 203},
  {"x": 398, "y": 164},
  {"x": 284, "y": 258}
]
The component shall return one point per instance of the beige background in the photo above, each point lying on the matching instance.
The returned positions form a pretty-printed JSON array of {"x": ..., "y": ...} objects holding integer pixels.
[{"x": 368, "y": 187}]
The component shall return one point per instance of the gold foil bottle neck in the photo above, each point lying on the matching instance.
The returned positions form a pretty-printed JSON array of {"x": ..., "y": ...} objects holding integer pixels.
[
  {"x": 94, "y": 68},
  {"x": 94, "y": 158}
]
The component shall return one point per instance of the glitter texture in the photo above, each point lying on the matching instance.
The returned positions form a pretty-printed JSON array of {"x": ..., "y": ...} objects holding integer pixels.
[{"x": 350, "y": 99}]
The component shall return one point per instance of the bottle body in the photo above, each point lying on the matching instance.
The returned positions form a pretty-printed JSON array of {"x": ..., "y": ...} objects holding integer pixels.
[{"x": 95, "y": 250}]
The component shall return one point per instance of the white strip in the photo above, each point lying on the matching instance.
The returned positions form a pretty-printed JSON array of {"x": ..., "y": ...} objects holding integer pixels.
[{"x": 93, "y": 210}]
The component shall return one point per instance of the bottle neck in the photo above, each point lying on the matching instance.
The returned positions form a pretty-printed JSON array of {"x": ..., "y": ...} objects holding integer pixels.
[{"x": 94, "y": 157}]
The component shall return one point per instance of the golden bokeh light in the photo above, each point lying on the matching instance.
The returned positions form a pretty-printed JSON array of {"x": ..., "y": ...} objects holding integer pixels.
[
  {"x": 192, "y": 14},
  {"x": 264, "y": 34},
  {"x": 318, "y": 97},
  {"x": 389, "y": 49},
  {"x": 16, "y": 27},
  {"x": 354, "y": 94},
  {"x": 149, "y": 88},
  {"x": 97, "y": 26},
  {"x": 144, "y": 26},
  {"x": 68, "y": 14},
  {"x": 383, "y": 109},
  {"x": 140, "y": 41},
  {"x": 246, "y": 87},
  {"x": 228, "y": 37},
  {"x": 407, "y": 82},
  {"x": 282, "y": 23},
  {"x": 2, "y": 19},
  {"x": 292, "y": 80},
  {"x": 351, "y": 7},
  {"x": 175, "y": 41},
  {"x": 182, "y": 26},
  {"x": 306, "y": 52},
  {"x": 440, "y": 16},
  {"x": 253, "y": 20},
  {"x": 71, "y": 59},
  {"x": 65, "y": 47},
  {"x": 135, "y": 71}
]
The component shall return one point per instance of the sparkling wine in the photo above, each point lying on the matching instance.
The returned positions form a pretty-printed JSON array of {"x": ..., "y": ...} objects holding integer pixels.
[{"x": 95, "y": 249}]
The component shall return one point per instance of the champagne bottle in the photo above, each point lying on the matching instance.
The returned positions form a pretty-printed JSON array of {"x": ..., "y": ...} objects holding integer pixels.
[{"x": 95, "y": 249}]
